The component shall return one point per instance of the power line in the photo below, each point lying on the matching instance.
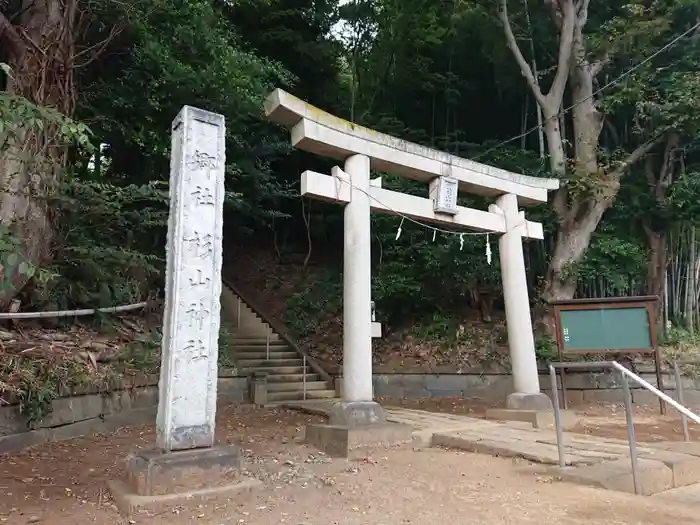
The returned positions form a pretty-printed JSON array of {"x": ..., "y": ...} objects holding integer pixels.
[
  {"x": 535, "y": 128},
  {"x": 603, "y": 88},
  {"x": 434, "y": 229}
]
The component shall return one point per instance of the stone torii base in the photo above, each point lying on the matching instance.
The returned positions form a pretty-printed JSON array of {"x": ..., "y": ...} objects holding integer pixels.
[{"x": 356, "y": 429}]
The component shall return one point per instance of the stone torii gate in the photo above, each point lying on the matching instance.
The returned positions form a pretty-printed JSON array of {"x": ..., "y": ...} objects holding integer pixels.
[{"x": 363, "y": 149}]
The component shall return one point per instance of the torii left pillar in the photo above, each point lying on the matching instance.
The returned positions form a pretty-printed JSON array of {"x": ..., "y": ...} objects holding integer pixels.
[
  {"x": 357, "y": 406},
  {"x": 357, "y": 423}
]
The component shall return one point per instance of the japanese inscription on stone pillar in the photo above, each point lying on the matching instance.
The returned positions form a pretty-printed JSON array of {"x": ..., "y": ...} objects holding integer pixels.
[{"x": 188, "y": 377}]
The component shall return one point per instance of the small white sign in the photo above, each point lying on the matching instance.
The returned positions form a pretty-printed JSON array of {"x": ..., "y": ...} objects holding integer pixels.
[{"x": 443, "y": 192}]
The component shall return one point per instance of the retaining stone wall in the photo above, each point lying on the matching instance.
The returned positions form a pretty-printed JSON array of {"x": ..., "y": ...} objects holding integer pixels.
[
  {"x": 85, "y": 411},
  {"x": 133, "y": 402},
  {"x": 495, "y": 385}
]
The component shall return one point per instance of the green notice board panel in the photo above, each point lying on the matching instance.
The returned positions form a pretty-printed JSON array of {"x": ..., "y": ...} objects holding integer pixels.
[{"x": 606, "y": 329}]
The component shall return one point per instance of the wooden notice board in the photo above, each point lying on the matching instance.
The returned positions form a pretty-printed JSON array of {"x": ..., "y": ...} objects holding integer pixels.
[{"x": 617, "y": 325}]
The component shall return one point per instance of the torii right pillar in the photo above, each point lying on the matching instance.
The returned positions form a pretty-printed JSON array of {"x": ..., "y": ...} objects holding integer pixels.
[{"x": 521, "y": 341}]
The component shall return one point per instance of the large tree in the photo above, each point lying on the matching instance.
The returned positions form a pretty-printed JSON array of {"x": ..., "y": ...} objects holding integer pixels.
[
  {"x": 37, "y": 40},
  {"x": 40, "y": 44},
  {"x": 590, "y": 183}
]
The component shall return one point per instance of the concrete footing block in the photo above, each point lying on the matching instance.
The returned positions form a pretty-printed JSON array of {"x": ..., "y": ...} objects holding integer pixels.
[
  {"x": 691, "y": 448},
  {"x": 684, "y": 468},
  {"x": 654, "y": 476},
  {"x": 688, "y": 495},
  {"x": 520, "y": 401},
  {"x": 538, "y": 418},
  {"x": 357, "y": 414},
  {"x": 357, "y": 442},
  {"x": 155, "y": 481}
]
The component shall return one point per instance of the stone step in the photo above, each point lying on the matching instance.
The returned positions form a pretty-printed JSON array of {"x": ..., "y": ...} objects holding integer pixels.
[
  {"x": 268, "y": 363},
  {"x": 298, "y": 395},
  {"x": 255, "y": 340},
  {"x": 261, "y": 347},
  {"x": 320, "y": 407},
  {"x": 296, "y": 386},
  {"x": 271, "y": 356},
  {"x": 273, "y": 371},
  {"x": 292, "y": 378}
]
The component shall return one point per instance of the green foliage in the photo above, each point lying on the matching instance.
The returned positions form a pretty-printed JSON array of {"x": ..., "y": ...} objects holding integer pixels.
[
  {"x": 437, "y": 327},
  {"x": 34, "y": 383},
  {"x": 19, "y": 116},
  {"x": 546, "y": 349},
  {"x": 226, "y": 349},
  {"x": 109, "y": 248},
  {"x": 678, "y": 336},
  {"x": 615, "y": 261},
  {"x": 185, "y": 53},
  {"x": 318, "y": 300},
  {"x": 683, "y": 200},
  {"x": 20, "y": 119},
  {"x": 437, "y": 73},
  {"x": 143, "y": 354}
]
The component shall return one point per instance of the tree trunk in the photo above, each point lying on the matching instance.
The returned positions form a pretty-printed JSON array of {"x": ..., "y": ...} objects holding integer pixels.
[
  {"x": 555, "y": 142},
  {"x": 579, "y": 215},
  {"x": 573, "y": 238},
  {"x": 690, "y": 306},
  {"x": 657, "y": 266},
  {"x": 40, "y": 49},
  {"x": 659, "y": 179},
  {"x": 658, "y": 261},
  {"x": 587, "y": 121}
]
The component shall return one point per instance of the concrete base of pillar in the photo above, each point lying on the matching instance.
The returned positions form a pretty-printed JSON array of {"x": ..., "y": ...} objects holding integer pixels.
[
  {"x": 355, "y": 429},
  {"x": 357, "y": 414},
  {"x": 518, "y": 401},
  {"x": 156, "y": 481},
  {"x": 357, "y": 442},
  {"x": 538, "y": 418}
]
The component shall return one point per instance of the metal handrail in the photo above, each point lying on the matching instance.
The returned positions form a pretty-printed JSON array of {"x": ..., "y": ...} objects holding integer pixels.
[{"x": 624, "y": 375}]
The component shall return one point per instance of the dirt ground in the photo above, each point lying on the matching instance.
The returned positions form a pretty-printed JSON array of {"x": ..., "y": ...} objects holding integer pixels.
[
  {"x": 52, "y": 479},
  {"x": 65, "y": 483}
]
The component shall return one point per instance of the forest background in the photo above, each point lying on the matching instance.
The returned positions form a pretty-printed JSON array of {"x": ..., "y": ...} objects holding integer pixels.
[{"x": 602, "y": 95}]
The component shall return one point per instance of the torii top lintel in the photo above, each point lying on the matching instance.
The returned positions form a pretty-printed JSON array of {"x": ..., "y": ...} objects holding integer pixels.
[{"x": 319, "y": 132}]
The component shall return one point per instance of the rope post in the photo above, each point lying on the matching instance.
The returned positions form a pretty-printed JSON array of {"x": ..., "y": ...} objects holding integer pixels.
[
  {"x": 304, "y": 376},
  {"x": 557, "y": 417},
  {"x": 680, "y": 396},
  {"x": 631, "y": 434}
]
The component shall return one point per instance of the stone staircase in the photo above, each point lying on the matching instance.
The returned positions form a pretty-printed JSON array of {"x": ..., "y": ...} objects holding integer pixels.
[{"x": 260, "y": 345}]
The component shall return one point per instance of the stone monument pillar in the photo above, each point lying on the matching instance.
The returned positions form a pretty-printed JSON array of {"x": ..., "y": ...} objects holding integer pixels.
[
  {"x": 189, "y": 371},
  {"x": 185, "y": 462}
]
